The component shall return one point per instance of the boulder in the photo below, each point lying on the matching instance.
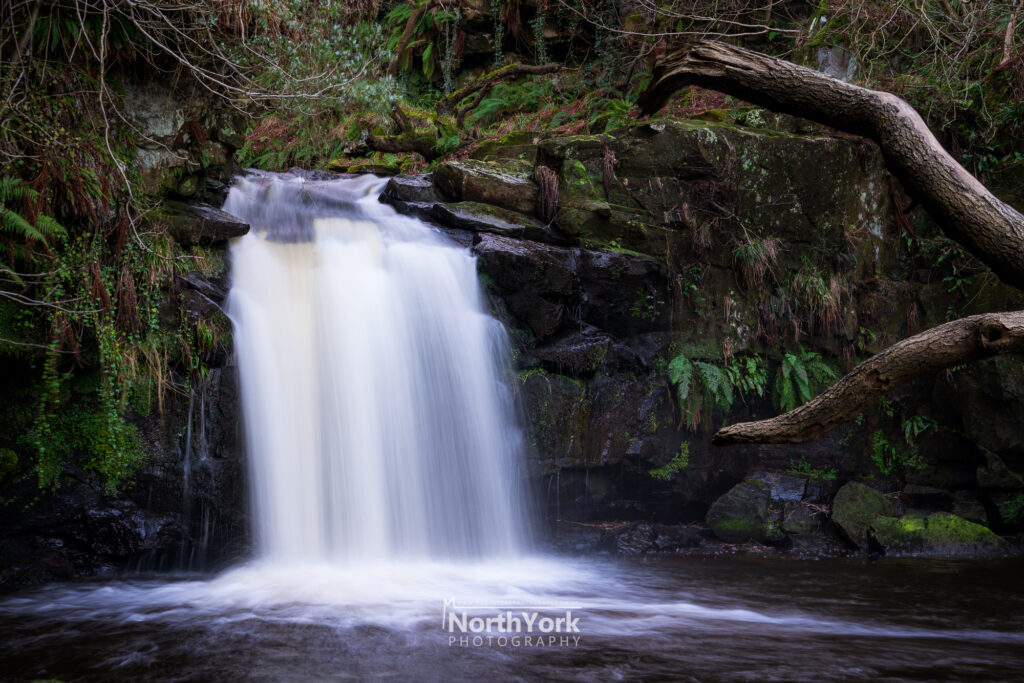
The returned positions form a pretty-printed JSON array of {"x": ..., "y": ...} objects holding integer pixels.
[
  {"x": 970, "y": 509},
  {"x": 636, "y": 539},
  {"x": 741, "y": 515},
  {"x": 508, "y": 184},
  {"x": 202, "y": 224},
  {"x": 856, "y": 507},
  {"x": 411, "y": 188},
  {"x": 798, "y": 518},
  {"x": 940, "y": 533}
]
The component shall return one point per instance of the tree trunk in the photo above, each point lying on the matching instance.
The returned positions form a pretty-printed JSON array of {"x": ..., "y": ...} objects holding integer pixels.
[
  {"x": 954, "y": 343},
  {"x": 990, "y": 229}
]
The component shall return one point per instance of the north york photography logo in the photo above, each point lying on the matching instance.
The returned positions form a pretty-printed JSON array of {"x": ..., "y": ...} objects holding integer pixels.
[{"x": 510, "y": 624}]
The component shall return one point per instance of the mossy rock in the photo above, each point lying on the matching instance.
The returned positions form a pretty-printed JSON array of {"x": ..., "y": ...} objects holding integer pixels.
[
  {"x": 508, "y": 184},
  {"x": 741, "y": 515},
  {"x": 856, "y": 507},
  {"x": 940, "y": 533},
  {"x": 520, "y": 145}
]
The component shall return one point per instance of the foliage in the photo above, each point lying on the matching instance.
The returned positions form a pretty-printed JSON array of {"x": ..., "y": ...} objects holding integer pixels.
[
  {"x": 19, "y": 230},
  {"x": 508, "y": 98},
  {"x": 432, "y": 41},
  {"x": 679, "y": 462},
  {"x": 756, "y": 257},
  {"x": 799, "y": 377},
  {"x": 702, "y": 386},
  {"x": 748, "y": 375},
  {"x": 815, "y": 474},
  {"x": 899, "y": 455}
]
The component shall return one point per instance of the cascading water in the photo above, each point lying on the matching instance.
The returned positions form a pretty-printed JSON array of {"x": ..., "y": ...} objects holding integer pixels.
[
  {"x": 377, "y": 420},
  {"x": 384, "y": 458}
]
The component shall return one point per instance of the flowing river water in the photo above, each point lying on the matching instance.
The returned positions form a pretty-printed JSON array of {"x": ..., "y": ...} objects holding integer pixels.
[{"x": 392, "y": 534}]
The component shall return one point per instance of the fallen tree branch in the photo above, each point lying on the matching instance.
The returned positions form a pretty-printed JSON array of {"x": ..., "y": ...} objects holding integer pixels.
[
  {"x": 990, "y": 229},
  {"x": 421, "y": 143},
  {"x": 449, "y": 103},
  {"x": 954, "y": 343}
]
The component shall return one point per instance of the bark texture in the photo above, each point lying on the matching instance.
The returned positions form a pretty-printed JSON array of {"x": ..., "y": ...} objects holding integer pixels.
[
  {"x": 990, "y": 229},
  {"x": 954, "y": 343}
]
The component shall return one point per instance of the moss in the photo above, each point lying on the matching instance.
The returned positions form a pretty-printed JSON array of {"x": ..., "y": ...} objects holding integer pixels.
[
  {"x": 577, "y": 179},
  {"x": 856, "y": 508},
  {"x": 939, "y": 532}
]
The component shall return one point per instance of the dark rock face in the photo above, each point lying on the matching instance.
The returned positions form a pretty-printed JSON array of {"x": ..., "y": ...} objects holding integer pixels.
[
  {"x": 741, "y": 515},
  {"x": 642, "y": 262},
  {"x": 186, "y": 508},
  {"x": 202, "y": 224}
]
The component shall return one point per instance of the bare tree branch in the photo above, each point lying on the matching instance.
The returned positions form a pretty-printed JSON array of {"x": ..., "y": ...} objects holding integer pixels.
[{"x": 954, "y": 343}]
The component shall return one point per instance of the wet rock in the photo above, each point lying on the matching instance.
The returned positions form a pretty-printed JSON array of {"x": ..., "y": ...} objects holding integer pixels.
[
  {"x": 213, "y": 288},
  {"x": 928, "y": 497},
  {"x": 672, "y": 537},
  {"x": 799, "y": 518},
  {"x": 535, "y": 279},
  {"x": 636, "y": 539},
  {"x": 576, "y": 354},
  {"x": 622, "y": 292},
  {"x": 201, "y": 224},
  {"x": 996, "y": 475},
  {"x": 784, "y": 487},
  {"x": 520, "y": 145},
  {"x": 940, "y": 533},
  {"x": 508, "y": 184},
  {"x": 411, "y": 188},
  {"x": 576, "y": 538},
  {"x": 741, "y": 515},
  {"x": 485, "y": 218},
  {"x": 855, "y": 509}
]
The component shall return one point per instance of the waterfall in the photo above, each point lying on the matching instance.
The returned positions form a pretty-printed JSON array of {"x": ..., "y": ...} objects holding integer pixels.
[{"x": 378, "y": 417}]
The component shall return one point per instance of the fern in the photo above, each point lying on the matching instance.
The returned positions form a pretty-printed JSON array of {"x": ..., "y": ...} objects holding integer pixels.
[
  {"x": 700, "y": 388},
  {"x": 798, "y": 379},
  {"x": 14, "y": 224}
]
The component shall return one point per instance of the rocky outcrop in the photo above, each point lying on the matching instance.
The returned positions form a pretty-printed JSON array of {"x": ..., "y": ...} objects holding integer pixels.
[
  {"x": 197, "y": 223},
  {"x": 507, "y": 184},
  {"x": 187, "y": 137}
]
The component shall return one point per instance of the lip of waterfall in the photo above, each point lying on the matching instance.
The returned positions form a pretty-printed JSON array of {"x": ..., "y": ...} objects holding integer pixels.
[
  {"x": 284, "y": 206},
  {"x": 375, "y": 388}
]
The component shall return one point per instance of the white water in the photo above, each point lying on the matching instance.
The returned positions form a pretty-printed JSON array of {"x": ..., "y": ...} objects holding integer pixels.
[
  {"x": 384, "y": 460},
  {"x": 378, "y": 421}
]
